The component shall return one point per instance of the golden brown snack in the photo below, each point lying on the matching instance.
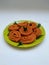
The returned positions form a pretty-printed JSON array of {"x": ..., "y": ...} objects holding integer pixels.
[
  {"x": 14, "y": 36},
  {"x": 13, "y": 27},
  {"x": 28, "y": 39}
]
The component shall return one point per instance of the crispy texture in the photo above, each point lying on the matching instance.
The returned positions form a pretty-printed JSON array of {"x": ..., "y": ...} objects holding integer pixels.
[
  {"x": 27, "y": 32},
  {"x": 13, "y": 27},
  {"x": 37, "y": 32},
  {"x": 24, "y": 32},
  {"x": 32, "y": 25},
  {"x": 28, "y": 39},
  {"x": 23, "y": 24},
  {"x": 14, "y": 36}
]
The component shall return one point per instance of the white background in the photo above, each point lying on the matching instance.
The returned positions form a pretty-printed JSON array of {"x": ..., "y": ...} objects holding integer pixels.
[{"x": 34, "y": 56}]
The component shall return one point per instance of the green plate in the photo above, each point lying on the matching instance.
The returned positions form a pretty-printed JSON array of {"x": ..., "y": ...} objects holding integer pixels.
[{"x": 36, "y": 42}]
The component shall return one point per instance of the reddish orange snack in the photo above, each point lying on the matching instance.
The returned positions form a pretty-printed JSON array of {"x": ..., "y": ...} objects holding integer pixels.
[
  {"x": 37, "y": 32},
  {"x": 23, "y": 24},
  {"x": 28, "y": 39},
  {"x": 14, "y": 36},
  {"x": 32, "y": 25},
  {"x": 25, "y": 31},
  {"x": 13, "y": 27}
]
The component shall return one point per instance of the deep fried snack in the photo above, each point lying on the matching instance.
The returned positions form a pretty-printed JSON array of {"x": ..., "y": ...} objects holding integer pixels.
[
  {"x": 14, "y": 36},
  {"x": 25, "y": 30},
  {"x": 23, "y": 24},
  {"x": 32, "y": 25},
  {"x": 28, "y": 39},
  {"x": 37, "y": 32},
  {"x": 13, "y": 27}
]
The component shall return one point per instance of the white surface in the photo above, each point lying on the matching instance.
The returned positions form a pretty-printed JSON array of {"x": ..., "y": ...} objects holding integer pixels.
[{"x": 35, "y": 56}]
